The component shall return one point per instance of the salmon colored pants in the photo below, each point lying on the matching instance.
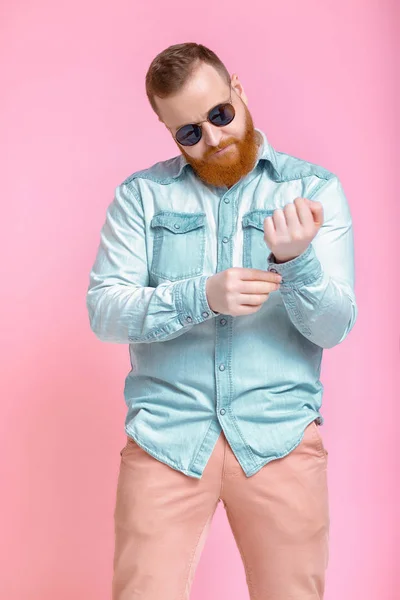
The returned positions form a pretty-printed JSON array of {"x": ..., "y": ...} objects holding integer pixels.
[{"x": 279, "y": 518}]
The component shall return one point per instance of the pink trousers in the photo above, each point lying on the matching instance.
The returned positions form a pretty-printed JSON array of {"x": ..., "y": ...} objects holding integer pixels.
[{"x": 279, "y": 518}]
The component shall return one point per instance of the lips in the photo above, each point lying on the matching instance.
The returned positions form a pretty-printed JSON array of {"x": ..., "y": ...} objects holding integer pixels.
[{"x": 223, "y": 150}]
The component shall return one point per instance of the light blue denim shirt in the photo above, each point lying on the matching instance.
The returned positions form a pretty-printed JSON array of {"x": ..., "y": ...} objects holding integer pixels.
[{"x": 195, "y": 372}]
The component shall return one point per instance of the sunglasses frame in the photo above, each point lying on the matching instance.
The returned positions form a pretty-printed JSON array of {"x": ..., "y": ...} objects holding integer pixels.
[{"x": 207, "y": 119}]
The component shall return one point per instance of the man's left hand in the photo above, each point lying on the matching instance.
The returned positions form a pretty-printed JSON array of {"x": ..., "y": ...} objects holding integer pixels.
[{"x": 290, "y": 230}]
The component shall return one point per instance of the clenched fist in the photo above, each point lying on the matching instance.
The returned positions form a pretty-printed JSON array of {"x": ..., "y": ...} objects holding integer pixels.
[
  {"x": 290, "y": 230},
  {"x": 240, "y": 291}
]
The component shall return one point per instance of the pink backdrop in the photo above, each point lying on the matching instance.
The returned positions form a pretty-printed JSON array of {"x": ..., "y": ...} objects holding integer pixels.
[{"x": 75, "y": 121}]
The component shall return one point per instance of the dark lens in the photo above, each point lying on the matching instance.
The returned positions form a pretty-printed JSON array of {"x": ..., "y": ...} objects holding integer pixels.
[
  {"x": 188, "y": 135},
  {"x": 222, "y": 115}
]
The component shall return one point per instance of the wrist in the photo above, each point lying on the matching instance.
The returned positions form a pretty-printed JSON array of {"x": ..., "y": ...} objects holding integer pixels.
[
  {"x": 280, "y": 261},
  {"x": 207, "y": 298}
]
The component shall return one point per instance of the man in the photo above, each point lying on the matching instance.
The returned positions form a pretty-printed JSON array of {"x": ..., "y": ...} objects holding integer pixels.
[{"x": 227, "y": 269}]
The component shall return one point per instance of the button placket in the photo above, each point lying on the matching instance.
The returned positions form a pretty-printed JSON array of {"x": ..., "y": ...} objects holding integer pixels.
[{"x": 222, "y": 355}]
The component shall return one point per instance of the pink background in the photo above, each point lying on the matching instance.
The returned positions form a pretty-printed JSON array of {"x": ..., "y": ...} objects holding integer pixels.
[{"x": 75, "y": 121}]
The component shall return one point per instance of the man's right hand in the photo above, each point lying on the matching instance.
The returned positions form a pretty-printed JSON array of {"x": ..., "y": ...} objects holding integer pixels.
[{"x": 239, "y": 291}]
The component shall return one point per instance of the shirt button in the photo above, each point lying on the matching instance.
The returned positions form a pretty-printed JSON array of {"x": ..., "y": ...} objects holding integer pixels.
[
  {"x": 273, "y": 270},
  {"x": 226, "y": 200},
  {"x": 222, "y": 367},
  {"x": 223, "y": 321},
  {"x": 177, "y": 226},
  {"x": 189, "y": 319},
  {"x": 225, "y": 239},
  {"x": 222, "y": 411},
  {"x": 205, "y": 314}
]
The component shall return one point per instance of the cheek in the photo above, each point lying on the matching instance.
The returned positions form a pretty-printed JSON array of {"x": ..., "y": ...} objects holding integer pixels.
[
  {"x": 237, "y": 128},
  {"x": 238, "y": 125},
  {"x": 234, "y": 130}
]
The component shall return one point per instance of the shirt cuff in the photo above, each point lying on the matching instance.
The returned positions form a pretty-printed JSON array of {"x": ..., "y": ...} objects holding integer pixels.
[
  {"x": 191, "y": 301},
  {"x": 300, "y": 270}
]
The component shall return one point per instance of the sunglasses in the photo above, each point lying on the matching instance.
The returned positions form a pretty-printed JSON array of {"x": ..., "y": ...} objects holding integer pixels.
[{"x": 220, "y": 115}]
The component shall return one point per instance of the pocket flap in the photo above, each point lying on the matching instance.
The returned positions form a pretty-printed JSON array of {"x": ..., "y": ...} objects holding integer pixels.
[
  {"x": 178, "y": 222},
  {"x": 255, "y": 218}
]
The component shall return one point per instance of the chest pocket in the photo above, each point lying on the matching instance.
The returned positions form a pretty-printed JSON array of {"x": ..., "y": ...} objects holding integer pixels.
[
  {"x": 178, "y": 244},
  {"x": 255, "y": 249}
]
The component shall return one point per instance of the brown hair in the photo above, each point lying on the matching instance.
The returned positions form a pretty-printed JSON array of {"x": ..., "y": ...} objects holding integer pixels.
[{"x": 169, "y": 70}]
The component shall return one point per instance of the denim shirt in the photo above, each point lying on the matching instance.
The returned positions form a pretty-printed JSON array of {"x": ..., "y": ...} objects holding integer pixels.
[{"x": 195, "y": 372}]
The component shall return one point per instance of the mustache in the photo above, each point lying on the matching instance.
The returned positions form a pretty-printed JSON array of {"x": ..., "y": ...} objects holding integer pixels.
[{"x": 215, "y": 150}]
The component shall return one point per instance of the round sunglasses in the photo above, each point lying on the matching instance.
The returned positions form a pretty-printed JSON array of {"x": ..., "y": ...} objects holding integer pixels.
[{"x": 220, "y": 116}]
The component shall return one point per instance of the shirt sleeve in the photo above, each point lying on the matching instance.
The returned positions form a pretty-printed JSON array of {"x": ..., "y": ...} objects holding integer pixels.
[
  {"x": 122, "y": 307},
  {"x": 318, "y": 286}
]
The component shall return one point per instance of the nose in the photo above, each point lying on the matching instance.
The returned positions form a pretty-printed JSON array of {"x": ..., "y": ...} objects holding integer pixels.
[{"x": 211, "y": 134}]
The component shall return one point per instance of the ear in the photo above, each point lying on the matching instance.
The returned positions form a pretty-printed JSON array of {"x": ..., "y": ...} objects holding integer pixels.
[
  {"x": 161, "y": 121},
  {"x": 237, "y": 86}
]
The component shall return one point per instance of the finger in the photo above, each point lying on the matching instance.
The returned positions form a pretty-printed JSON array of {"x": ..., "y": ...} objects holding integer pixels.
[
  {"x": 258, "y": 287},
  {"x": 279, "y": 219},
  {"x": 304, "y": 213},
  {"x": 259, "y": 275},
  {"x": 245, "y": 309},
  {"x": 269, "y": 231},
  {"x": 252, "y": 299},
  {"x": 292, "y": 217},
  {"x": 317, "y": 211}
]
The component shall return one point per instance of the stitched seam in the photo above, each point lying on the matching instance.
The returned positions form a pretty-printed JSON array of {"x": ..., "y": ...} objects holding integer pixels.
[
  {"x": 132, "y": 189},
  {"x": 155, "y": 331},
  {"x": 198, "y": 239},
  {"x": 317, "y": 188},
  {"x": 303, "y": 281},
  {"x": 317, "y": 435},
  {"x": 161, "y": 457},
  {"x": 200, "y": 447},
  {"x": 246, "y": 446},
  {"x": 316, "y": 171},
  {"x": 294, "y": 305},
  {"x": 177, "y": 214}
]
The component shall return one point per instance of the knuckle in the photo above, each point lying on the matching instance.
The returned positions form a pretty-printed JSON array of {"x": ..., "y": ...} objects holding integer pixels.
[
  {"x": 230, "y": 286},
  {"x": 231, "y": 273}
]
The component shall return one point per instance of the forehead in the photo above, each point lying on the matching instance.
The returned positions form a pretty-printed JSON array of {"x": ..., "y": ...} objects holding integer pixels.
[{"x": 202, "y": 92}]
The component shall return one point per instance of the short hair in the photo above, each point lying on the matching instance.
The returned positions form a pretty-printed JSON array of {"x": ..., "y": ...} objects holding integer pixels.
[{"x": 173, "y": 67}]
